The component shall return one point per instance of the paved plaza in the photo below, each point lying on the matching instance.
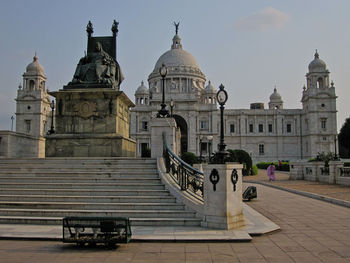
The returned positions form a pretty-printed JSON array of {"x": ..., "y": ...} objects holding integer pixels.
[{"x": 311, "y": 231}]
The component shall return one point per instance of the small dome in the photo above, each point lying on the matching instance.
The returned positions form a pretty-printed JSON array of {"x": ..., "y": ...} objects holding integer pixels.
[
  {"x": 142, "y": 89},
  {"x": 275, "y": 96},
  {"x": 210, "y": 89},
  {"x": 317, "y": 65},
  {"x": 35, "y": 68}
]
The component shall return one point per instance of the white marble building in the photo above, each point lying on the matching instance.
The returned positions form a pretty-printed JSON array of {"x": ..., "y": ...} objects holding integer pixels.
[{"x": 267, "y": 134}]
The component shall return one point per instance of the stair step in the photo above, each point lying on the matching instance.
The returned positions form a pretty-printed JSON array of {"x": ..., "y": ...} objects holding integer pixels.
[
  {"x": 79, "y": 192},
  {"x": 133, "y": 221},
  {"x": 114, "y": 186},
  {"x": 90, "y": 205},
  {"x": 78, "y": 180},
  {"x": 121, "y": 213},
  {"x": 72, "y": 198},
  {"x": 89, "y": 174}
]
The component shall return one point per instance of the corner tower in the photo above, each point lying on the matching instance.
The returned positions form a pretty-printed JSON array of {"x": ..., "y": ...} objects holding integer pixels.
[
  {"x": 319, "y": 110},
  {"x": 33, "y": 102}
]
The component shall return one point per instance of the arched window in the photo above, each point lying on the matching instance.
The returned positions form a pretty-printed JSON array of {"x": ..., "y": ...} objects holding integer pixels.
[
  {"x": 31, "y": 84},
  {"x": 320, "y": 83}
]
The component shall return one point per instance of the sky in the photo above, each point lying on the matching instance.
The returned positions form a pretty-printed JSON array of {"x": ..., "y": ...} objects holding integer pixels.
[{"x": 248, "y": 46}]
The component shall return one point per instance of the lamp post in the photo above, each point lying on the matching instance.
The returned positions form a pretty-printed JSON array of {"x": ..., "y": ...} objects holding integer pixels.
[
  {"x": 52, "y": 106},
  {"x": 335, "y": 148},
  {"x": 163, "y": 71},
  {"x": 221, "y": 154},
  {"x": 200, "y": 148},
  {"x": 209, "y": 138},
  {"x": 171, "y": 107}
]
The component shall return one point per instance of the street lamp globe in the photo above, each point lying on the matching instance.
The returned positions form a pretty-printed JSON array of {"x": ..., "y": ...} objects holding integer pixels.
[{"x": 163, "y": 71}]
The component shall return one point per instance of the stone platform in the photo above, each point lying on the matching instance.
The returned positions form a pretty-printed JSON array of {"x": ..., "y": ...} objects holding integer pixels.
[{"x": 256, "y": 224}]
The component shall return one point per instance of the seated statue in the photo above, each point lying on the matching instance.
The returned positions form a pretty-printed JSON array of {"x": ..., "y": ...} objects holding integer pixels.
[{"x": 98, "y": 67}]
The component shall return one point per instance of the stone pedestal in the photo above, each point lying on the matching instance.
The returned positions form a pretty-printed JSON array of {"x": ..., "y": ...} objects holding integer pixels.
[
  {"x": 158, "y": 126},
  {"x": 223, "y": 206},
  {"x": 91, "y": 122}
]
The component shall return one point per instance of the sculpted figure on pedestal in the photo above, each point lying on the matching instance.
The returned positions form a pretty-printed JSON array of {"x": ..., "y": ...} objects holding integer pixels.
[{"x": 98, "y": 67}]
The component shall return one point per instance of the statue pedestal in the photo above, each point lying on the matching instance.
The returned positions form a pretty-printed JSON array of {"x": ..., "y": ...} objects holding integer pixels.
[
  {"x": 158, "y": 126},
  {"x": 223, "y": 205},
  {"x": 91, "y": 122}
]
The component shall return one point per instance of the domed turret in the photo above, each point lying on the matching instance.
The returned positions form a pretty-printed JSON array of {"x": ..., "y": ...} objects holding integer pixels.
[
  {"x": 276, "y": 101},
  {"x": 142, "y": 95},
  {"x": 142, "y": 89},
  {"x": 209, "y": 94},
  {"x": 35, "y": 68},
  {"x": 34, "y": 78},
  {"x": 318, "y": 75},
  {"x": 317, "y": 65},
  {"x": 210, "y": 89}
]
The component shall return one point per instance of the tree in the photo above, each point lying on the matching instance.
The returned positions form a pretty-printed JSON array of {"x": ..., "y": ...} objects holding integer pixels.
[
  {"x": 242, "y": 157},
  {"x": 189, "y": 158},
  {"x": 344, "y": 139}
]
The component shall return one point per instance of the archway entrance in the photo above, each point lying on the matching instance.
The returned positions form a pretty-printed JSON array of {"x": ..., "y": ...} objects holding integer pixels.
[{"x": 182, "y": 124}]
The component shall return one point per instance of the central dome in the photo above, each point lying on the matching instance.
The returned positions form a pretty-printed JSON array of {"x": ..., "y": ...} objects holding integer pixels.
[{"x": 176, "y": 56}]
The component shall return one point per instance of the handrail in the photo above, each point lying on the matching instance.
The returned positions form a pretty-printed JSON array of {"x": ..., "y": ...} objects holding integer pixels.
[{"x": 188, "y": 178}]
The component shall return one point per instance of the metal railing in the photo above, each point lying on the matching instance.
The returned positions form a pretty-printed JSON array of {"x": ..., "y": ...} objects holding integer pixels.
[{"x": 188, "y": 178}]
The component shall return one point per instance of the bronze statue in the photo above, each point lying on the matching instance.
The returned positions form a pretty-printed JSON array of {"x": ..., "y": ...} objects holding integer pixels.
[
  {"x": 176, "y": 27},
  {"x": 98, "y": 67}
]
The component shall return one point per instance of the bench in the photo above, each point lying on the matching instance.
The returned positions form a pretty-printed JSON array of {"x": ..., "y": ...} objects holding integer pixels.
[{"x": 93, "y": 230}]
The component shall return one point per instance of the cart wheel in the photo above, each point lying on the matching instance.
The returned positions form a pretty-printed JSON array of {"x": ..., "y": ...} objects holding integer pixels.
[
  {"x": 80, "y": 244},
  {"x": 111, "y": 244}
]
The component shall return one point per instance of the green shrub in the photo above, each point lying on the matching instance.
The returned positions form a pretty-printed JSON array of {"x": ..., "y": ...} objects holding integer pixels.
[
  {"x": 189, "y": 158},
  {"x": 254, "y": 170},
  {"x": 242, "y": 157},
  {"x": 284, "y": 166}
]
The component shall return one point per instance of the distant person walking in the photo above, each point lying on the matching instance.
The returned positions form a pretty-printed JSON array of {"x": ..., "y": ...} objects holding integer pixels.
[
  {"x": 279, "y": 165},
  {"x": 271, "y": 172}
]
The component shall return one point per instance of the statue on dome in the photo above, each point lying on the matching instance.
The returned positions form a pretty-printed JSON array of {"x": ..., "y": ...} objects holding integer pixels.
[
  {"x": 176, "y": 27},
  {"x": 98, "y": 67}
]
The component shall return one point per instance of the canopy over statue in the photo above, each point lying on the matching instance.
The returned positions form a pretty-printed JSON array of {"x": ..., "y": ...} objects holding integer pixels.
[{"x": 99, "y": 67}]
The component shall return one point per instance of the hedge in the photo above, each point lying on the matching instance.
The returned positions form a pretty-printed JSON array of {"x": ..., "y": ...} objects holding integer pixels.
[{"x": 264, "y": 165}]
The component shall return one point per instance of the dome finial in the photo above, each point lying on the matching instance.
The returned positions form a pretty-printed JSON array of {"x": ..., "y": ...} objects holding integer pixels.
[
  {"x": 176, "y": 27},
  {"x": 35, "y": 58},
  {"x": 316, "y": 54}
]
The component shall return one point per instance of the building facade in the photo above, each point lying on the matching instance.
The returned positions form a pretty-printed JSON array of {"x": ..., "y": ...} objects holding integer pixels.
[{"x": 266, "y": 134}]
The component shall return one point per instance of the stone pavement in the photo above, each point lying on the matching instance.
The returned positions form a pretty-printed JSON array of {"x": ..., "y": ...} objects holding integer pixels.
[
  {"x": 311, "y": 231},
  {"x": 340, "y": 192}
]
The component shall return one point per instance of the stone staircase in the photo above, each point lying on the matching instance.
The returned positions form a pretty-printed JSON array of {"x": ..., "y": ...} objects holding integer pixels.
[{"x": 43, "y": 191}]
